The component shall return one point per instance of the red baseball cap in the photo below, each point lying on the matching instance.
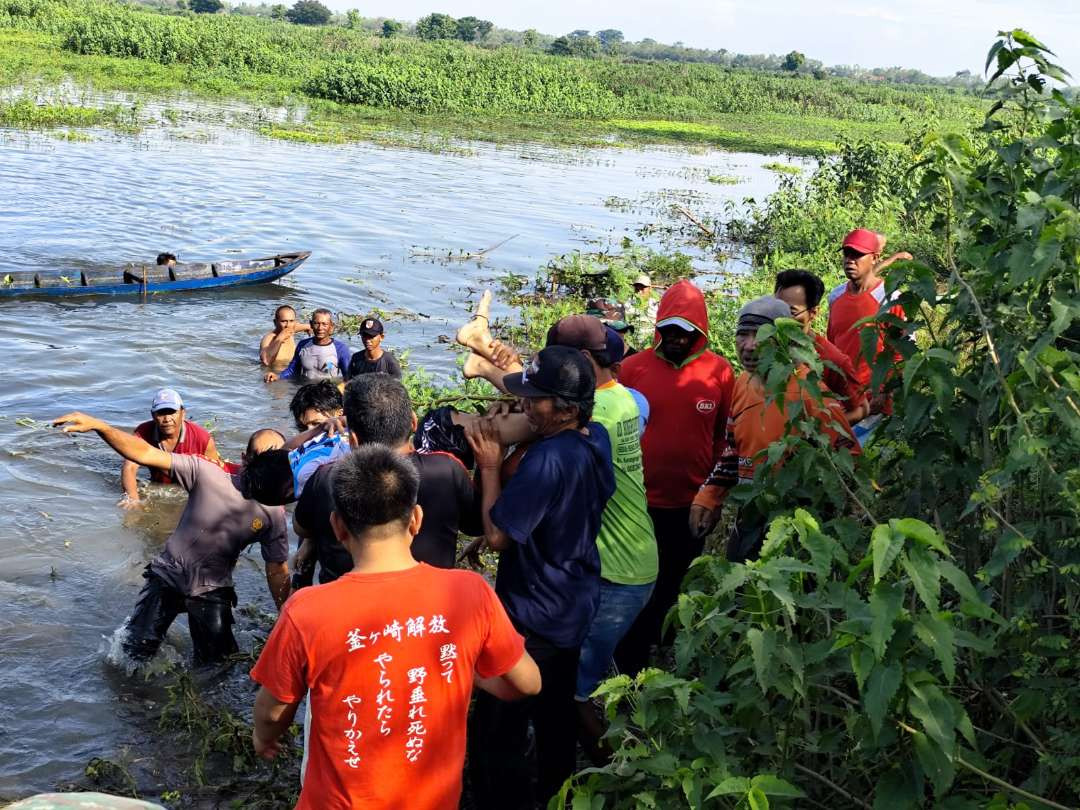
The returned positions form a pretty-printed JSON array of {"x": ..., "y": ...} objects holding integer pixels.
[{"x": 863, "y": 240}]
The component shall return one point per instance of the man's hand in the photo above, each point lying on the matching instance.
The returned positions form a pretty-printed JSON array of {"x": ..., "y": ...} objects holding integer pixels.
[
  {"x": 484, "y": 441},
  {"x": 702, "y": 520},
  {"x": 76, "y": 422},
  {"x": 471, "y": 554},
  {"x": 503, "y": 356},
  {"x": 269, "y": 376},
  {"x": 127, "y": 502},
  {"x": 267, "y": 749}
]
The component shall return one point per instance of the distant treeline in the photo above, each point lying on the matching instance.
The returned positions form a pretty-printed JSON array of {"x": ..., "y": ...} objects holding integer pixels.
[{"x": 357, "y": 66}]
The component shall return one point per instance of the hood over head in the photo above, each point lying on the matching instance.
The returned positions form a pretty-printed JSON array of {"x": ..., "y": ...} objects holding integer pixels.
[{"x": 683, "y": 300}]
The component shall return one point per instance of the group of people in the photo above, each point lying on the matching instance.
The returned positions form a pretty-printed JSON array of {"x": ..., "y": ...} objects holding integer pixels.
[{"x": 596, "y": 483}]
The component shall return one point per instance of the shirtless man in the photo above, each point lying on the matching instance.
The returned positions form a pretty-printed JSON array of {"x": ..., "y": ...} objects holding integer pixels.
[{"x": 276, "y": 349}]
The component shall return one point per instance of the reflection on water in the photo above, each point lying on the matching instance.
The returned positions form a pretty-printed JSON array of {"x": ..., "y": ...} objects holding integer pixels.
[{"x": 70, "y": 560}]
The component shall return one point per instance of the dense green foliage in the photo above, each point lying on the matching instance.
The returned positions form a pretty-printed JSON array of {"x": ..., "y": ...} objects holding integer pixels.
[
  {"x": 909, "y": 636},
  {"x": 310, "y": 12}
]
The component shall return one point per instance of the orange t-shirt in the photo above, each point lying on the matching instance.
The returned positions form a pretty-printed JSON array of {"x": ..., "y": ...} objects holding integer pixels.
[{"x": 388, "y": 660}]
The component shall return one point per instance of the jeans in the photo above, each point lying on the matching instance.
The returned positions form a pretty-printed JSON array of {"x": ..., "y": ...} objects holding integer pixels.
[
  {"x": 616, "y": 610},
  {"x": 210, "y": 621},
  {"x": 677, "y": 548},
  {"x": 498, "y": 765}
]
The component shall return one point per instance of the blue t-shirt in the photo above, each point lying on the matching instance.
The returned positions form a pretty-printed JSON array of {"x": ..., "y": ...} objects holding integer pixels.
[
  {"x": 315, "y": 362},
  {"x": 549, "y": 577}
]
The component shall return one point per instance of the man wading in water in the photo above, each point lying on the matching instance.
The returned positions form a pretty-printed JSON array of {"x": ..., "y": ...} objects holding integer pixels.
[
  {"x": 321, "y": 357},
  {"x": 224, "y": 514}
]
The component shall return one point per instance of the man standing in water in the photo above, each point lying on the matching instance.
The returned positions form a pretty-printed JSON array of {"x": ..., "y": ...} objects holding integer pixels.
[
  {"x": 277, "y": 348},
  {"x": 320, "y": 357},
  {"x": 224, "y": 514},
  {"x": 168, "y": 430},
  {"x": 373, "y": 359}
]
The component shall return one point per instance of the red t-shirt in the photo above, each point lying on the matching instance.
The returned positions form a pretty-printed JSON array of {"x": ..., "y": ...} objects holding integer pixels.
[
  {"x": 388, "y": 662},
  {"x": 844, "y": 383},
  {"x": 193, "y": 442},
  {"x": 846, "y": 308}
]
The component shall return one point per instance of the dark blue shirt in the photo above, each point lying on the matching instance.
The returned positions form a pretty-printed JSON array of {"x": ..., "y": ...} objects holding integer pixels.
[{"x": 549, "y": 577}]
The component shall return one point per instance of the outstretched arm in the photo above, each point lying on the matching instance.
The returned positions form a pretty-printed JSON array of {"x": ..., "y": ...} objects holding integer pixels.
[{"x": 128, "y": 445}]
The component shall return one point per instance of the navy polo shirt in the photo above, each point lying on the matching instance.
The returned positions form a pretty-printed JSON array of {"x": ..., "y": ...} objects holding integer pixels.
[{"x": 549, "y": 576}]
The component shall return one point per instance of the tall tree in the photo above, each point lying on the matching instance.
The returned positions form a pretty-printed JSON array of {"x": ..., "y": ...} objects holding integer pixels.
[
  {"x": 278, "y": 11},
  {"x": 206, "y": 6},
  {"x": 308, "y": 12},
  {"x": 610, "y": 37},
  {"x": 353, "y": 19},
  {"x": 793, "y": 61},
  {"x": 530, "y": 38},
  {"x": 437, "y": 26},
  {"x": 390, "y": 28},
  {"x": 560, "y": 47},
  {"x": 471, "y": 29}
]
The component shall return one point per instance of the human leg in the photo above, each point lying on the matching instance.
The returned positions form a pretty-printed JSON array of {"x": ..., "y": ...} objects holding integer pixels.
[
  {"x": 210, "y": 621},
  {"x": 476, "y": 334},
  {"x": 554, "y": 718},
  {"x": 156, "y": 607},
  {"x": 498, "y": 764},
  {"x": 617, "y": 608}
]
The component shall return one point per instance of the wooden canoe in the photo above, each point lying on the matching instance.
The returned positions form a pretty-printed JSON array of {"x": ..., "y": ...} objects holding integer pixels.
[{"x": 140, "y": 279}]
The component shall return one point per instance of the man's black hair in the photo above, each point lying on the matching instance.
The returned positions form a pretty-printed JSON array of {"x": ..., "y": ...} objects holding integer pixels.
[
  {"x": 378, "y": 409},
  {"x": 373, "y": 486},
  {"x": 322, "y": 311},
  {"x": 812, "y": 285},
  {"x": 165, "y": 258},
  {"x": 268, "y": 478},
  {"x": 584, "y": 408},
  {"x": 258, "y": 434},
  {"x": 322, "y": 395},
  {"x": 283, "y": 306}
]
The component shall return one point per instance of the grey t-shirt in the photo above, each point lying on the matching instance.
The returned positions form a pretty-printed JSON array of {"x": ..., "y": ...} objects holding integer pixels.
[{"x": 217, "y": 524}]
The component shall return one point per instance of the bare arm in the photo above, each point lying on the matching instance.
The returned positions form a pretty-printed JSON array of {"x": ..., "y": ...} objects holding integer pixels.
[
  {"x": 129, "y": 480},
  {"x": 211, "y": 451},
  {"x": 483, "y": 439},
  {"x": 277, "y": 580},
  {"x": 128, "y": 445},
  {"x": 272, "y": 343},
  {"x": 522, "y": 680},
  {"x": 272, "y": 718}
]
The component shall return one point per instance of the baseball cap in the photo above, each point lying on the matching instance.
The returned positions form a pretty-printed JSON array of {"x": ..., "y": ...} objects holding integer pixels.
[
  {"x": 578, "y": 332},
  {"x": 863, "y": 240},
  {"x": 371, "y": 326},
  {"x": 616, "y": 347},
  {"x": 761, "y": 311},
  {"x": 682, "y": 323},
  {"x": 166, "y": 399},
  {"x": 555, "y": 371},
  {"x": 643, "y": 279}
]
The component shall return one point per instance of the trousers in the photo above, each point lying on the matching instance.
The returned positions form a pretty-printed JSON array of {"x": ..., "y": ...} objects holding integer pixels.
[{"x": 210, "y": 620}]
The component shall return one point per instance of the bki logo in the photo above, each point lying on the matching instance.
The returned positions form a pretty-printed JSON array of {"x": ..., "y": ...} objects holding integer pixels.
[{"x": 706, "y": 406}]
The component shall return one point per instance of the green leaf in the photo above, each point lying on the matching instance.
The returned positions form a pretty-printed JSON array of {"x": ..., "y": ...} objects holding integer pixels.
[
  {"x": 763, "y": 648},
  {"x": 880, "y": 688},
  {"x": 733, "y": 784},
  {"x": 733, "y": 579},
  {"x": 775, "y": 786},
  {"x": 921, "y": 532},
  {"x": 895, "y": 791},
  {"x": 935, "y": 762},
  {"x": 885, "y": 544},
  {"x": 862, "y": 661},
  {"x": 923, "y": 570},
  {"x": 886, "y": 602},
  {"x": 938, "y": 634},
  {"x": 757, "y": 799},
  {"x": 930, "y": 707},
  {"x": 960, "y": 582}
]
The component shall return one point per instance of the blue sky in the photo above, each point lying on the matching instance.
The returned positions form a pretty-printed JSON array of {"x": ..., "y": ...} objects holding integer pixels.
[{"x": 936, "y": 36}]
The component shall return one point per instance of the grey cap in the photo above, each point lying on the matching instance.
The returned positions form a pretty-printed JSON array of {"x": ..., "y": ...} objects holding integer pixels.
[{"x": 761, "y": 311}]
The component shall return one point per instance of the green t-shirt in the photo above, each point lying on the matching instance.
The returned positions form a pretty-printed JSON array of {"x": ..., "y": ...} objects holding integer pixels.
[{"x": 626, "y": 542}]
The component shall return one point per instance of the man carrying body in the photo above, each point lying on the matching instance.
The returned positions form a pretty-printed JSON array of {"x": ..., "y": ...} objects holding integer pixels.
[
  {"x": 802, "y": 291},
  {"x": 378, "y": 410},
  {"x": 688, "y": 389},
  {"x": 388, "y": 655},
  {"x": 193, "y": 573},
  {"x": 373, "y": 359},
  {"x": 544, "y": 525},
  {"x": 320, "y": 357},
  {"x": 277, "y": 348},
  {"x": 170, "y": 431},
  {"x": 862, "y": 296},
  {"x": 754, "y": 425}
]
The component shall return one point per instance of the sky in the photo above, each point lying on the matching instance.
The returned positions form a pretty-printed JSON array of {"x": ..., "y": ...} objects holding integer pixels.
[{"x": 938, "y": 37}]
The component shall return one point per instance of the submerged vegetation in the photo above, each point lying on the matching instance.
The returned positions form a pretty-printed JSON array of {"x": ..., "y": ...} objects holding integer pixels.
[{"x": 343, "y": 70}]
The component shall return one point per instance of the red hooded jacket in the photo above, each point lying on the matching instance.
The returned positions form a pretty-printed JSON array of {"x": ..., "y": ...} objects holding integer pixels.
[{"x": 689, "y": 405}]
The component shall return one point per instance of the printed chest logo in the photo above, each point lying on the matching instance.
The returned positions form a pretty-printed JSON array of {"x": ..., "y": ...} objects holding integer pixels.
[
  {"x": 706, "y": 406},
  {"x": 256, "y": 524}
]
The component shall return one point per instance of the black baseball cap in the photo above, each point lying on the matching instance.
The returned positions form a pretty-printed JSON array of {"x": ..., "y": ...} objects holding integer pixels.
[
  {"x": 555, "y": 371},
  {"x": 371, "y": 327}
]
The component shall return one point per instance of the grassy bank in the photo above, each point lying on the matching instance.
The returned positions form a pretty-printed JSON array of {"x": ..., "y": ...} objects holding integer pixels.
[{"x": 352, "y": 84}]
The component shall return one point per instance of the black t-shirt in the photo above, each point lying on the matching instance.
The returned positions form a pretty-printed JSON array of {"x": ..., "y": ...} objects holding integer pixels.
[
  {"x": 387, "y": 364},
  {"x": 450, "y": 502}
]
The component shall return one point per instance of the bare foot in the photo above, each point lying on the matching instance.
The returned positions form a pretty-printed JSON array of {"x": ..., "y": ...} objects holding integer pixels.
[
  {"x": 476, "y": 334},
  {"x": 477, "y": 366}
]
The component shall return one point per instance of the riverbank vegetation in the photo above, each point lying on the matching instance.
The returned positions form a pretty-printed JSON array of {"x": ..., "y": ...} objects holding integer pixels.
[{"x": 344, "y": 75}]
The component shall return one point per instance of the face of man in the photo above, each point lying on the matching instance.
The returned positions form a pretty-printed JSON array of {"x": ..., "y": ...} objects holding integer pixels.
[
  {"x": 322, "y": 326},
  {"x": 544, "y": 418},
  {"x": 746, "y": 347},
  {"x": 372, "y": 342},
  {"x": 168, "y": 422},
  {"x": 313, "y": 417},
  {"x": 285, "y": 318},
  {"x": 675, "y": 343},
  {"x": 858, "y": 266},
  {"x": 795, "y": 297},
  {"x": 642, "y": 290}
]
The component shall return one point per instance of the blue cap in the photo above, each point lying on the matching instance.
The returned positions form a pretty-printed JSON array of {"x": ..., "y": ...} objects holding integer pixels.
[{"x": 166, "y": 399}]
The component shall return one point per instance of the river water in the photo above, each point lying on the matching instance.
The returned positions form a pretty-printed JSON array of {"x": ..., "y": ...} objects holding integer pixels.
[{"x": 70, "y": 560}]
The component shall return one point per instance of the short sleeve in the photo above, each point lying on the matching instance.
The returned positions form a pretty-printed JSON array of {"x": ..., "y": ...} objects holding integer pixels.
[
  {"x": 282, "y": 665},
  {"x": 393, "y": 367},
  {"x": 343, "y": 357},
  {"x": 528, "y": 494},
  {"x": 187, "y": 469},
  {"x": 199, "y": 435},
  {"x": 643, "y": 409},
  {"x": 503, "y": 646},
  {"x": 275, "y": 542}
]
